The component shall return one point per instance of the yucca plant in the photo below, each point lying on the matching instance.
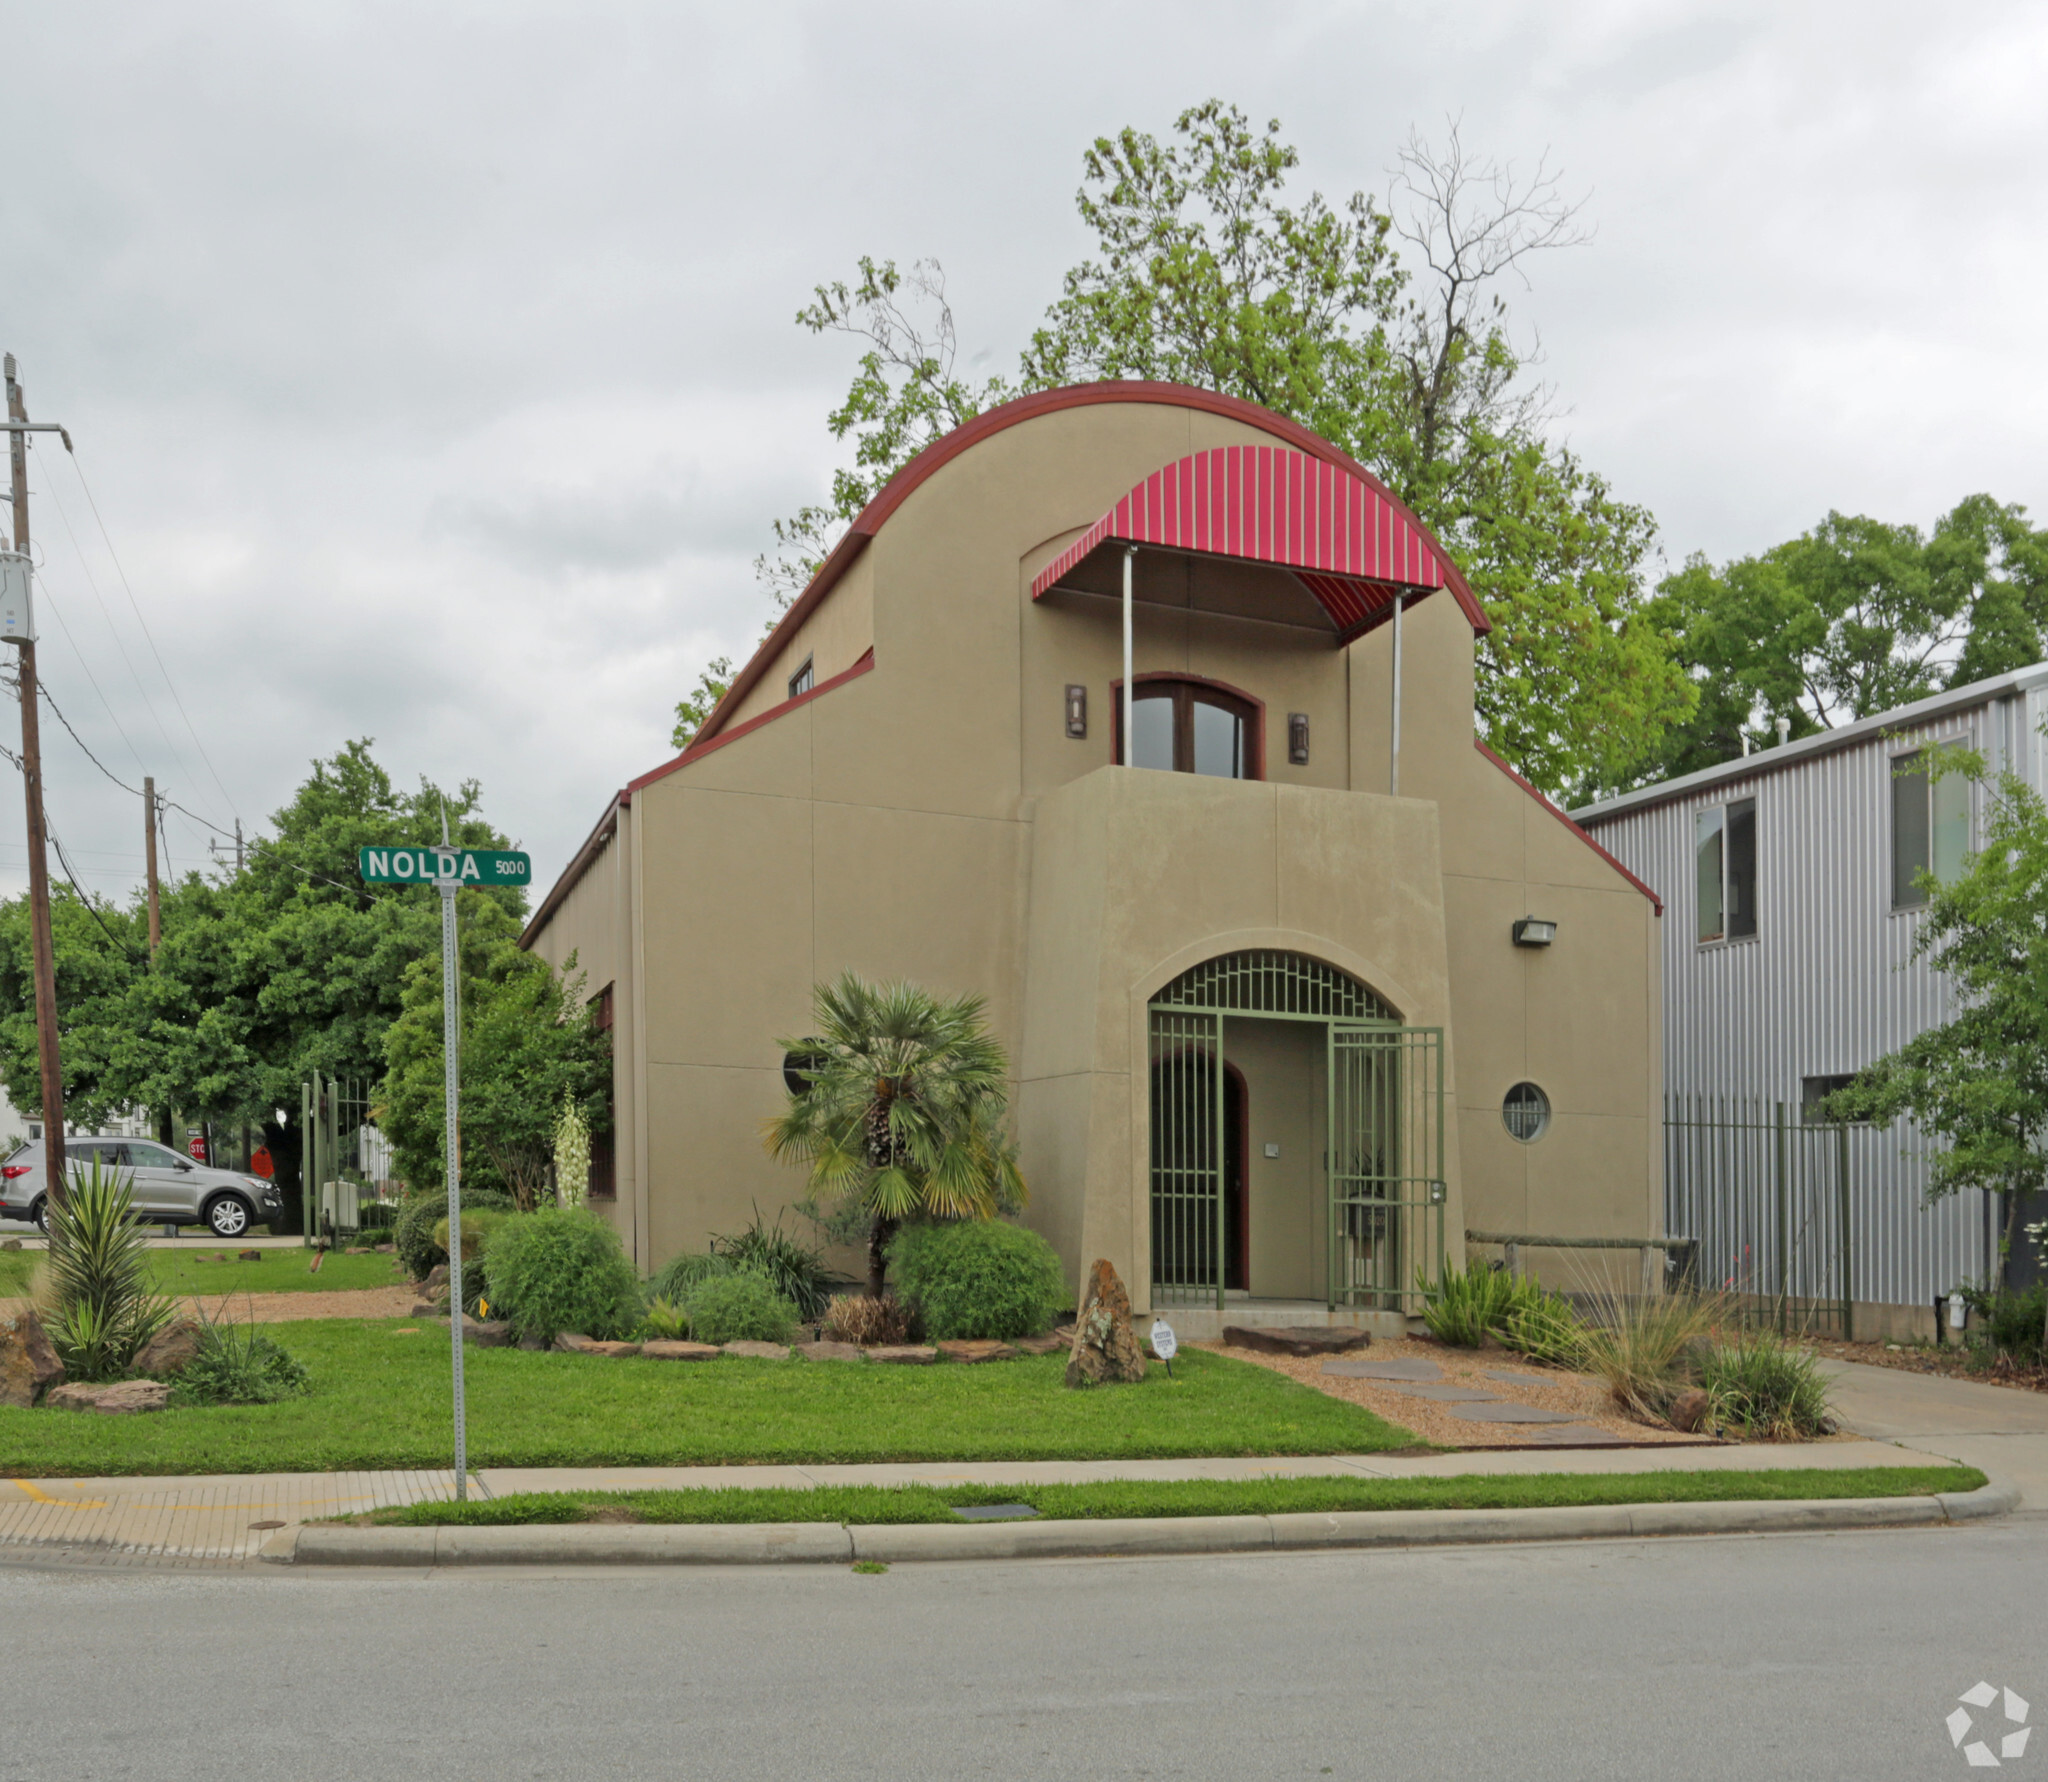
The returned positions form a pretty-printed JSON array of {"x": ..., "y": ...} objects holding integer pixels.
[
  {"x": 904, "y": 1111},
  {"x": 100, "y": 1304},
  {"x": 1466, "y": 1307}
]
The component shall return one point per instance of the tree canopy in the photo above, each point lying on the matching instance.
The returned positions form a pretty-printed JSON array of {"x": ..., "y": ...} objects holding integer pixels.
[
  {"x": 1384, "y": 330},
  {"x": 1850, "y": 619}
]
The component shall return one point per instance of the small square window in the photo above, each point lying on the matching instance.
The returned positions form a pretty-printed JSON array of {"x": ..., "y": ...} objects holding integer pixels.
[{"x": 803, "y": 680}]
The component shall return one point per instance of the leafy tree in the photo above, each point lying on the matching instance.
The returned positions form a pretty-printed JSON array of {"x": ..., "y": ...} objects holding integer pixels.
[
  {"x": 905, "y": 1111},
  {"x": 1202, "y": 275},
  {"x": 1848, "y": 620},
  {"x": 1979, "y": 1081},
  {"x": 692, "y": 710},
  {"x": 530, "y": 1045}
]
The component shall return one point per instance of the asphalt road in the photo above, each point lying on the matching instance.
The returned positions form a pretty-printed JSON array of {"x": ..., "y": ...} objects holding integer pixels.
[{"x": 1808, "y": 1656}]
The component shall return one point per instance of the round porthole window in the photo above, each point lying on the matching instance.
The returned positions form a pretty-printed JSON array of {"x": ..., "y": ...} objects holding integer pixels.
[
  {"x": 794, "y": 1065},
  {"x": 1526, "y": 1111}
]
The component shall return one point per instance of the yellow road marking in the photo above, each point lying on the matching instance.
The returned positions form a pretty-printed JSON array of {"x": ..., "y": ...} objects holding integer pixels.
[{"x": 38, "y": 1495}]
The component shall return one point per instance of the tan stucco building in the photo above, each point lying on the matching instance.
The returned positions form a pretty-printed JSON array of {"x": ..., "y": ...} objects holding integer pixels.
[{"x": 1275, "y": 1031}]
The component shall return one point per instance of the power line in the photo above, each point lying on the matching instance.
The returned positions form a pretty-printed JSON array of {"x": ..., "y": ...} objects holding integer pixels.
[
  {"x": 57, "y": 610},
  {"x": 132, "y": 791},
  {"x": 14, "y": 761},
  {"x": 148, "y": 635}
]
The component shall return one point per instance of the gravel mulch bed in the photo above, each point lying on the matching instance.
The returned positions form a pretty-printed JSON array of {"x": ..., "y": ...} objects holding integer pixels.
[{"x": 1584, "y": 1399}]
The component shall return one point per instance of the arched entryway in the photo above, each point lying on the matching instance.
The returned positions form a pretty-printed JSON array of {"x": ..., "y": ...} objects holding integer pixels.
[{"x": 1296, "y": 1139}]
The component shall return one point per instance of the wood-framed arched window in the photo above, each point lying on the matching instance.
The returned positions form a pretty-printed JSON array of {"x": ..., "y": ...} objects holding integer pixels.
[{"x": 1186, "y": 723}]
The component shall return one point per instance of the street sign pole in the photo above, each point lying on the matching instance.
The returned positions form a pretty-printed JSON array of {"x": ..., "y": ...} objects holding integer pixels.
[
  {"x": 451, "y": 1041},
  {"x": 448, "y": 868}
]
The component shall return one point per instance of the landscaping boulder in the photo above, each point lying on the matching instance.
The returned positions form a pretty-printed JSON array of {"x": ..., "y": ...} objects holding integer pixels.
[
  {"x": 668, "y": 1350},
  {"x": 1296, "y": 1339},
  {"x": 171, "y": 1350},
  {"x": 28, "y": 1361},
  {"x": 249, "y": 1256},
  {"x": 1046, "y": 1344},
  {"x": 532, "y": 1343},
  {"x": 437, "y": 1276},
  {"x": 572, "y": 1344},
  {"x": 903, "y": 1354},
  {"x": 759, "y": 1351},
  {"x": 1105, "y": 1347},
  {"x": 424, "y": 1308},
  {"x": 821, "y": 1350},
  {"x": 11, "y": 1244},
  {"x": 970, "y": 1349},
  {"x": 494, "y": 1334},
  {"x": 1689, "y": 1410},
  {"x": 122, "y": 1399}
]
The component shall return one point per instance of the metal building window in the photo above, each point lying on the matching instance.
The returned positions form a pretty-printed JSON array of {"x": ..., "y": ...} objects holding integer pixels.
[
  {"x": 1724, "y": 862},
  {"x": 1930, "y": 829},
  {"x": 803, "y": 680},
  {"x": 1525, "y": 1111},
  {"x": 1189, "y": 727}
]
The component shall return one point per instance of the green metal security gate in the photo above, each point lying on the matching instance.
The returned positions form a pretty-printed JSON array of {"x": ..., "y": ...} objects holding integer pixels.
[
  {"x": 1387, "y": 1192},
  {"x": 1384, "y": 1105}
]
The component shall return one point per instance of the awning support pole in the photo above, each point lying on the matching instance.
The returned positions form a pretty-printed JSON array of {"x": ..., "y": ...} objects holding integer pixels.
[
  {"x": 1394, "y": 775},
  {"x": 1130, "y": 557}
]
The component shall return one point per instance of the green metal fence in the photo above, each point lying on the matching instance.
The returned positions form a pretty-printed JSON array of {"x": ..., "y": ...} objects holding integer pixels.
[
  {"x": 340, "y": 1163},
  {"x": 1383, "y": 1103},
  {"x": 1767, "y": 1198}
]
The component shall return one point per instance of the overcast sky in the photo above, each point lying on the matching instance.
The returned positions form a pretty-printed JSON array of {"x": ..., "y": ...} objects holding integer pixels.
[{"x": 433, "y": 365}]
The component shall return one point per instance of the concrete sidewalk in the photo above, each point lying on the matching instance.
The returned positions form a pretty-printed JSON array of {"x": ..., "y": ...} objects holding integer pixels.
[
  {"x": 230, "y": 1516},
  {"x": 2001, "y": 1430}
]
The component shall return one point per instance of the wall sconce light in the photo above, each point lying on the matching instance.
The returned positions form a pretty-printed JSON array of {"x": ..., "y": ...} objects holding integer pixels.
[
  {"x": 1077, "y": 710},
  {"x": 1534, "y": 931},
  {"x": 1297, "y": 739}
]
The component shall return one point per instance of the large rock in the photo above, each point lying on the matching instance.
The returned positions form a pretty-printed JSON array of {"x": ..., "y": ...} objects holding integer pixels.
[
  {"x": 437, "y": 1276},
  {"x": 1296, "y": 1339},
  {"x": 759, "y": 1351},
  {"x": 1049, "y": 1342},
  {"x": 570, "y": 1343},
  {"x": 494, "y": 1334},
  {"x": 824, "y": 1350},
  {"x": 663, "y": 1349},
  {"x": 122, "y": 1399},
  {"x": 976, "y": 1349},
  {"x": 903, "y": 1354},
  {"x": 171, "y": 1350},
  {"x": 28, "y": 1361},
  {"x": 1689, "y": 1410},
  {"x": 1105, "y": 1347}
]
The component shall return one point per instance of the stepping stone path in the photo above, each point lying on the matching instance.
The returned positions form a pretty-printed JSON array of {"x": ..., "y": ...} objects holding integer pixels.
[
  {"x": 1395, "y": 1367},
  {"x": 1447, "y": 1393},
  {"x": 1494, "y": 1411},
  {"x": 1509, "y": 1379}
]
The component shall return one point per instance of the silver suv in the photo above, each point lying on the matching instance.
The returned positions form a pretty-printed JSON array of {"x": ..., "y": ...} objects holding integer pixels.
[{"x": 167, "y": 1188}]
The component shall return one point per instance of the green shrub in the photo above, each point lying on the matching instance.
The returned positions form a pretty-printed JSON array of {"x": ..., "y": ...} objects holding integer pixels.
[
  {"x": 2010, "y": 1323},
  {"x": 412, "y": 1233},
  {"x": 238, "y": 1367},
  {"x": 797, "y": 1273},
  {"x": 561, "y": 1268},
  {"x": 1543, "y": 1326},
  {"x": 1465, "y": 1309},
  {"x": 665, "y": 1321},
  {"x": 477, "y": 1225},
  {"x": 1762, "y": 1386},
  {"x": 680, "y": 1274},
  {"x": 979, "y": 1278},
  {"x": 102, "y": 1302},
  {"x": 741, "y": 1307}
]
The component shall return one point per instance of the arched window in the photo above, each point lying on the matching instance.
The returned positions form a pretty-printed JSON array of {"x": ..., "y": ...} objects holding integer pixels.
[{"x": 1183, "y": 724}]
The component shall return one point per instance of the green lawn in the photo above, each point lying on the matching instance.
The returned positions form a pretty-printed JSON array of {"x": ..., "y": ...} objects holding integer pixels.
[
  {"x": 381, "y": 1400},
  {"x": 1193, "y": 1497},
  {"x": 200, "y": 1270}
]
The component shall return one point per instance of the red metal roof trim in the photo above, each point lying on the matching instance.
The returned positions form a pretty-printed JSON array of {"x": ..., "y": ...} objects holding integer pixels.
[
  {"x": 1346, "y": 539},
  {"x": 939, "y": 453},
  {"x": 1656, "y": 902},
  {"x": 697, "y": 750}
]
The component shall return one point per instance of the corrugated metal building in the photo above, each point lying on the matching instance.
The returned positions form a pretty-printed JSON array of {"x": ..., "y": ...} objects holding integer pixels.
[{"x": 1790, "y": 917}]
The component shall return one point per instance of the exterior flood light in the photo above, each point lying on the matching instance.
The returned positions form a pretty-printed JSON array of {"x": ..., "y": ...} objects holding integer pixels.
[{"x": 1534, "y": 931}]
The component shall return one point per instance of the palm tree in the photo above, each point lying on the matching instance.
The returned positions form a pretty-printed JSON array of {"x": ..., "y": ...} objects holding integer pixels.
[{"x": 904, "y": 1112}]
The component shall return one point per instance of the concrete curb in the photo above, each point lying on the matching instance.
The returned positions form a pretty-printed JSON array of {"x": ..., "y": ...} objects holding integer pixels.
[{"x": 782, "y": 1543}]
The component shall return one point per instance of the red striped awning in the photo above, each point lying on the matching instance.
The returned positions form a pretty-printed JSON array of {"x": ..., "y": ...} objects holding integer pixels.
[{"x": 1350, "y": 543}]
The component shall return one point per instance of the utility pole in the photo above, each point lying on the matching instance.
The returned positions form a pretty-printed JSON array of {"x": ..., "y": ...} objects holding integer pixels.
[
  {"x": 18, "y": 430},
  {"x": 219, "y": 851},
  {"x": 156, "y": 924}
]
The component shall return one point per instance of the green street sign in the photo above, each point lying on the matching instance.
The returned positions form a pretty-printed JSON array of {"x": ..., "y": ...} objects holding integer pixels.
[{"x": 446, "y": 866}]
